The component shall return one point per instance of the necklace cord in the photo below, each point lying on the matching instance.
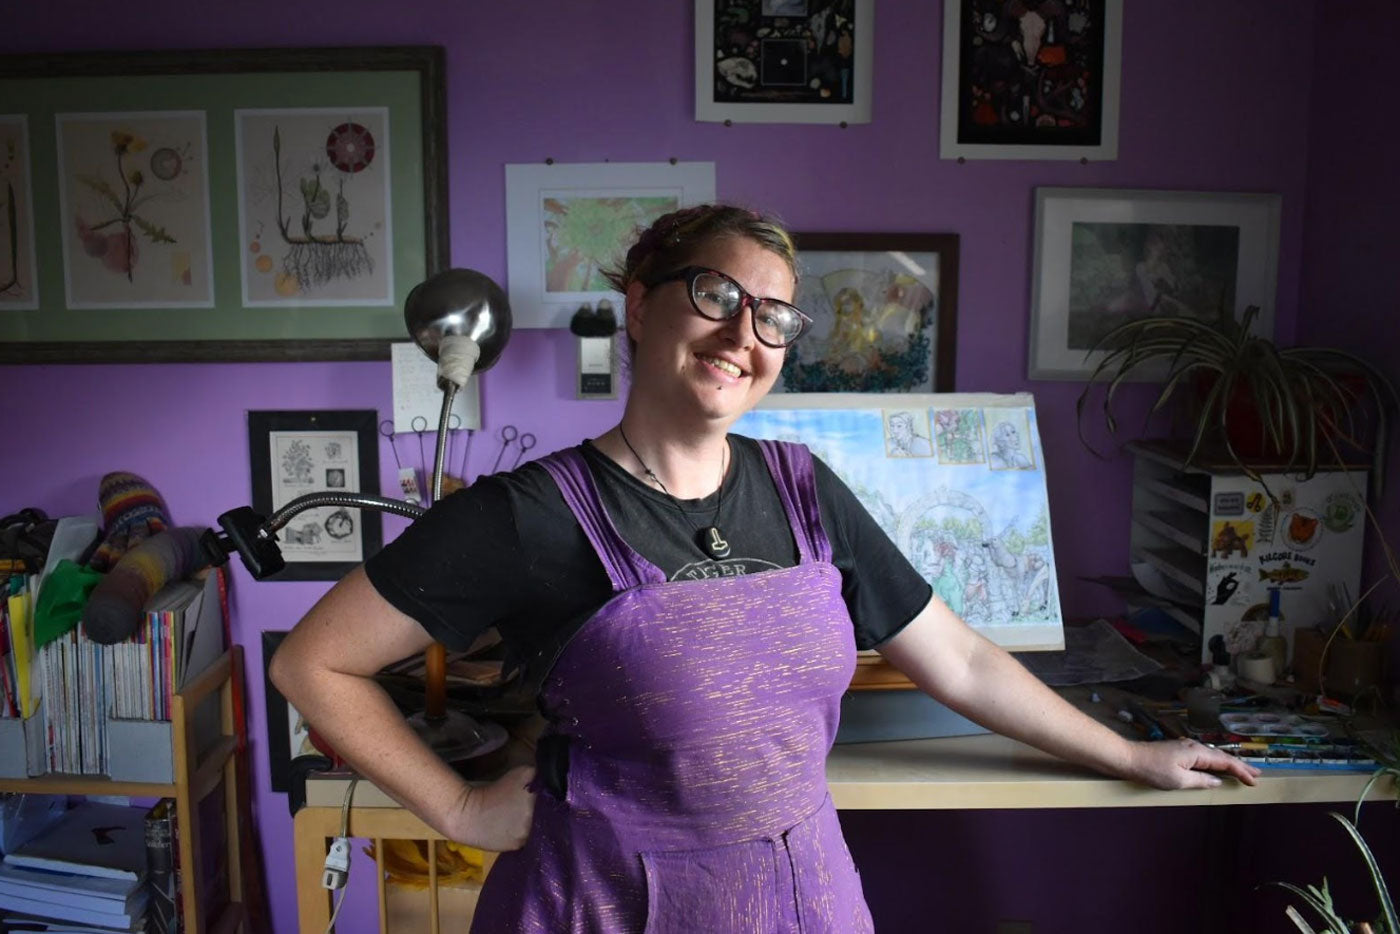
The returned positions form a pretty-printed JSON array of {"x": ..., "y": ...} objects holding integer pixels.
[{"x": 710, "y": 538}]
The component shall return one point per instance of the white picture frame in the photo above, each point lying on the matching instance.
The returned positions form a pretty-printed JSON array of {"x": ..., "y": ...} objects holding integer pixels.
[
  {"x": 546, "y": 284},
  {"x": 1142, "y": 252},
  {"x": 959, "y": 139},
  {"x": 811, "y": 22}
]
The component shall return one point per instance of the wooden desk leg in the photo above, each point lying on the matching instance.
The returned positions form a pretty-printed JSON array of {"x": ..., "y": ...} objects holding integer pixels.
[{"x": 313, "y": 827}]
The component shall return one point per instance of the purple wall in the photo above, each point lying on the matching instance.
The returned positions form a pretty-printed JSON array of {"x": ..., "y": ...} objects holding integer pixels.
[{"x": 1215, "y": 96}]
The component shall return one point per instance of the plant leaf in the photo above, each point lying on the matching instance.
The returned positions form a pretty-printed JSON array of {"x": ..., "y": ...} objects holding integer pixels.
[{"x": 1378, "y": 880}]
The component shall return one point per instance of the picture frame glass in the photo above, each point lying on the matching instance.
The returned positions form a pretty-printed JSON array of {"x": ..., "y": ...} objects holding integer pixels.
[
  {"x": 298, "y": 453},
  {"x": 250, "y": 210},
  {"x": 1105, "y": 257},
  {"x": 884, "y": 311}
]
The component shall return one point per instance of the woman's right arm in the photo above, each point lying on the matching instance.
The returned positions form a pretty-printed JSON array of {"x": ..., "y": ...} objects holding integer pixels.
[{"x": 326, "y": 668}]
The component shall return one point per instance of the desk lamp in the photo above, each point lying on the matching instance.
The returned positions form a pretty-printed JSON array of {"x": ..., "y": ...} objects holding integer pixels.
[{"x": 461, "y": 320}]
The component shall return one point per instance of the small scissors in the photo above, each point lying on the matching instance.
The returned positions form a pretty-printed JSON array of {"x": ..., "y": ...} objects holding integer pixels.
[
  {"x": 527, "y": 441},
  {"x": 508, "y": 434}
]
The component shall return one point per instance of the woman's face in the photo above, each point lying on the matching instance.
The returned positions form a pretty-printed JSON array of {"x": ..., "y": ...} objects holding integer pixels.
[{"x": 716, "y": 369}]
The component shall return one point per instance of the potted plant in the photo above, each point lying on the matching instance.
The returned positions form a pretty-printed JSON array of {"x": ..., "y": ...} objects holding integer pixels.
[{"x": 1242, "y": 395}]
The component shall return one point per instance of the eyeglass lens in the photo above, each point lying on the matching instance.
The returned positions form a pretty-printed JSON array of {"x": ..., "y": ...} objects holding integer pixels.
[{"x": 718, "y": 298}]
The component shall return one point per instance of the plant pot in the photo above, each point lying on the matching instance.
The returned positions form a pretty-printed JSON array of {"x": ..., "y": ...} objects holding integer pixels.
[{"x": 1245, "y": 431}]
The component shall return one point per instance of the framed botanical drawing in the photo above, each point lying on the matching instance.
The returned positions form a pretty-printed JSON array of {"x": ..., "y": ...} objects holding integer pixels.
[
  {"x": 1104, "y": 257},
  {"x": 784, "y": 61},
  {"x": 566, "y": 224},
  {"x": 19, "y": 285},
  {"x": 1028, "y": 81},
  {"x": 251, "y": 204},
  {"x": 296, "y": 453},
  {"x": 884, "y": 310}
]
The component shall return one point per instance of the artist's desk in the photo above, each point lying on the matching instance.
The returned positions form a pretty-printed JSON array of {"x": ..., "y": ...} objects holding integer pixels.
[{"x": 985, "y": 771}]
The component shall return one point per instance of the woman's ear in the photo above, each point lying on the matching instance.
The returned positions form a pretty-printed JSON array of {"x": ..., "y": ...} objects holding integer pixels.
[{"x": 636, "y": 293}]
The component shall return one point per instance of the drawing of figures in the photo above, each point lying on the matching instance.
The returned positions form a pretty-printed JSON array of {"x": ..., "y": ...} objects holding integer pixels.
[
  {"x": 873, "y": 321},
  {"x": 296, "y": 463},
  {"x": 585, "y": 235},
  {"x": 134, "y": 189},
  {"x": 19, "y": 288},
  {"x": 314, "y": 206},
  {"x": 958, "y": 433},
  {"x": 906, "y": 434},
  {"x": 1008, "y": 435}
]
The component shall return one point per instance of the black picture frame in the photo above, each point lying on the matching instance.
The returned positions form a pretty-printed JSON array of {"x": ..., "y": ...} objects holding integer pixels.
[
  {"x": 408, "y": 82},
  {"x": 873, "y": 263},
  {"x": 279, "y": 718},
  {"x": 327, "y": 542}
]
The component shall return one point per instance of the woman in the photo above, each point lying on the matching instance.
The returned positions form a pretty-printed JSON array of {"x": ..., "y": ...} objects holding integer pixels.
[{"x": 691, "y": 701}]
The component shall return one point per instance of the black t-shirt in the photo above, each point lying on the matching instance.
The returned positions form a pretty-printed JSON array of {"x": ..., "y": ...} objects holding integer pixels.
[{"x": 508, "y": 552}]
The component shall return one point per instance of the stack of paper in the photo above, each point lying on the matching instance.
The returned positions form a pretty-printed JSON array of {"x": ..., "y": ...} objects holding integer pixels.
[{"x": 85, "y": 873}]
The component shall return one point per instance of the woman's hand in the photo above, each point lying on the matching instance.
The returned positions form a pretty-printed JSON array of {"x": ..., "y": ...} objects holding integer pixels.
[
  {"x": 497, "y": 816},
  {"x": 1185, "y": 763}
]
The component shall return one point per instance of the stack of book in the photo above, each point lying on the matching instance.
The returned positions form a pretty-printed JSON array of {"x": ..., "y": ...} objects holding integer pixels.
[{"x": 86, "y": 873}]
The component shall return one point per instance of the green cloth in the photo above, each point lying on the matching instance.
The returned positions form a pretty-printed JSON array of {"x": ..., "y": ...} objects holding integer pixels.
[{"x": 62, "y": 596}]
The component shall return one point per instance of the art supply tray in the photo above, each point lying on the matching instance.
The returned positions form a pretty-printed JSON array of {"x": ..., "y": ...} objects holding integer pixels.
[{"x": 1272, "y": 724}]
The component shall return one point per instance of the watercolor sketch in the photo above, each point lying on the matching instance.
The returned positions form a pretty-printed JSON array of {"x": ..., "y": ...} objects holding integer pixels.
[
  {"x": 907, "y": 433},
  {"x": 874, "y": 315},
  {"x": 1122, "y": 272},
  {"x": 134, "y": 191},
  {"x": 19, "y": 286},
  {"x": 584, "y": 235},
  {"x": 315, "y": 207},
  {"x": 1008, "y": 439},
  {"x": 958, "y": 434},
  {"x": 980, "y": 537}
]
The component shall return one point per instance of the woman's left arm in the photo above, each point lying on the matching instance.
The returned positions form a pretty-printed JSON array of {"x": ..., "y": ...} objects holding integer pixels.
[{"x": 957, "y": 666}]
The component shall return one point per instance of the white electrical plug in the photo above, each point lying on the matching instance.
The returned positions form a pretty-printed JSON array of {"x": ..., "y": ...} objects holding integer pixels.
[{"x": 337, "y": 865}]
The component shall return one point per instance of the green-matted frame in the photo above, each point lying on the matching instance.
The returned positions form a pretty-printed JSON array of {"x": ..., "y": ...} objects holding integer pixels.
[{"x": 408, "y": 80}]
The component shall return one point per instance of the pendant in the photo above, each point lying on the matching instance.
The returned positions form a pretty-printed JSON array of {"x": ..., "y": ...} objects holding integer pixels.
[{"x": 712, "y": 542}]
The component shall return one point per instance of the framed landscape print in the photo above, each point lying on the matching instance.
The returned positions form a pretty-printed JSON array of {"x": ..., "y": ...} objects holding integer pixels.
[
  {"x": 1104, "y": 257},
  {"x": 884, "y": 310},
  {"x": 230, "y": 204},
  {"x": 1027, "y": 81}
]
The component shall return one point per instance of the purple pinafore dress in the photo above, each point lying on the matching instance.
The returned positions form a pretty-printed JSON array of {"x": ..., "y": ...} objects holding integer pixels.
[{"x": 699, "y": 715}]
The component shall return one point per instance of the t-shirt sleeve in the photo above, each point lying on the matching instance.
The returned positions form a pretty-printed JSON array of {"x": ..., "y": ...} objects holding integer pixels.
[{"x": 882, "y": 589}]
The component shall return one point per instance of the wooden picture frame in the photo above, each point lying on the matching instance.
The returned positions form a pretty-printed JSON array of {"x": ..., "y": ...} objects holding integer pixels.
[
  {"x": 884, "y": 307},
  {"x": 1107, "y": 256},
  {"x": 293, "y": 453},
  {"x": 1031, "y": 84},
  {"x": 157, "y": 216}
]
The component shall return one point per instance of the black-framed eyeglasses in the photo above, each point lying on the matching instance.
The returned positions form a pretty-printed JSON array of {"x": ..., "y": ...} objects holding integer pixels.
[{"x": 719, "y": 298}]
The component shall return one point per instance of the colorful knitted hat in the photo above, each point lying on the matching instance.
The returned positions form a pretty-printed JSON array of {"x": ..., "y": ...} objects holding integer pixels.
[{"x": 132, "y": 510}]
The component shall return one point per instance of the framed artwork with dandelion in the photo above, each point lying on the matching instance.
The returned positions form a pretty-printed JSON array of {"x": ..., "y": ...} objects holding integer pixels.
[{"x": 270, "y": 204}]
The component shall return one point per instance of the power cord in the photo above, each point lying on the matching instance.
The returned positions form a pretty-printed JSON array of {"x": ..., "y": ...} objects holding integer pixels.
[{"x": 337, "y": 868}]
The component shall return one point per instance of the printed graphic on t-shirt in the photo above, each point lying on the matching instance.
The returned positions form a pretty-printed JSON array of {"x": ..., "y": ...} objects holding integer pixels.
[{"x": 729, "y": 567}]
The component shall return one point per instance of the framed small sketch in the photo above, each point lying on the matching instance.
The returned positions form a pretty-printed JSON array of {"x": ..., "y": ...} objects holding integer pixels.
[
  {"x": 296, "y": 453},
  {"x": 19, "y": 283},
  {"x": 566, "y": 224},
  {"x": 1026, "y": 81},
  {"x": 784, "y": 61},
  {"x": 884, "y": 308},
  {"x": 1104, "y": 257}
]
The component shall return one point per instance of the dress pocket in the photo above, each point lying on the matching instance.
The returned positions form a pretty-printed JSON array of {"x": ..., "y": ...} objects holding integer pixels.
[{"x": 738, "y": 887}]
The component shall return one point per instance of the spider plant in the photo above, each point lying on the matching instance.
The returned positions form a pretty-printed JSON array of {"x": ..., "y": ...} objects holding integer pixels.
[{"x": 1307, "y": 399}]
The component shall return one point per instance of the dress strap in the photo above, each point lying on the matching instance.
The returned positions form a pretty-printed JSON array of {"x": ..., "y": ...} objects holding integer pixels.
[
  {"x": 793, "y": 474},
  {"x": 626, "y": 568}
]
